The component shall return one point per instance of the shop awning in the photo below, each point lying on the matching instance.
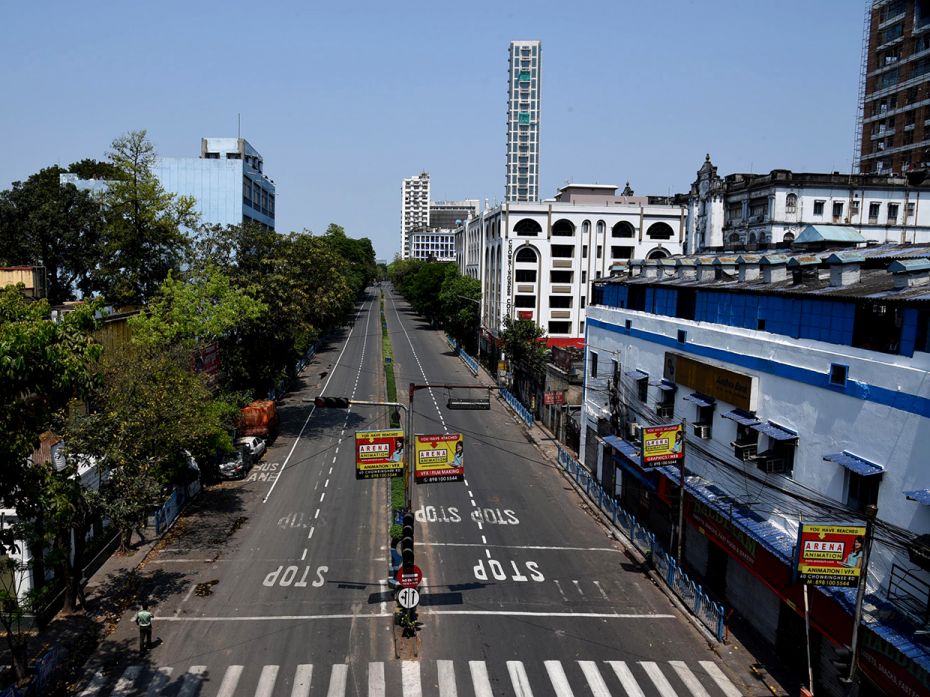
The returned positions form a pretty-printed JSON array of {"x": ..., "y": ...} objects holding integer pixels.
[
  {"x": 625, "y": 448},
  {"x": 921, "y": 496},
  {"x": 636, "y": 374},
  {"x": 774, "y": 431},
  {"x": 855, "y": 464},
  {"x": 743, "y": 418},
  {"x": 700, "y": 399},
  {"x": 665, "y": 385}
]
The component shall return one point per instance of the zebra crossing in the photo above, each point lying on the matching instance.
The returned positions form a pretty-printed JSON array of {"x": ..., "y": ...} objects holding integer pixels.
[{"x": 441, "y": 678}]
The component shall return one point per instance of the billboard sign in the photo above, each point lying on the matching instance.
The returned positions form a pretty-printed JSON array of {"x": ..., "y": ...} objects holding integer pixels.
[
  {"x": 554, "y": 397},
  {"x": 829, "y": 554},
  {"x": 379, "y": 454},
  {"x": 662, "y": 444},
  {"x": 439, "y": 458}
]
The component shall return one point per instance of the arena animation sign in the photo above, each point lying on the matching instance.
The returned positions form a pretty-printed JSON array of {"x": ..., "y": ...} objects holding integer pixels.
[
  {"x": 379, "y": 454},
  {"x": 830, "y": 555},
  {"x": 439, "y": 458}
]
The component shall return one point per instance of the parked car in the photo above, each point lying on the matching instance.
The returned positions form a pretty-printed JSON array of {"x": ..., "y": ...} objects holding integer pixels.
[
  {"x": 236, "y": 465},
  {"x": 255, "y": 445}
]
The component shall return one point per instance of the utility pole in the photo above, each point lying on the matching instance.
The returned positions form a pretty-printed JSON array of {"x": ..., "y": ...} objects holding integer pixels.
[
  {"x": 681, "y": 493},
  {"x": 871, "y": 512}
]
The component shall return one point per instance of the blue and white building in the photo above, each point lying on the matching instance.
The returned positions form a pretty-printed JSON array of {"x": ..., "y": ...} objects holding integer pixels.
[{"x": 804, "y": 382}]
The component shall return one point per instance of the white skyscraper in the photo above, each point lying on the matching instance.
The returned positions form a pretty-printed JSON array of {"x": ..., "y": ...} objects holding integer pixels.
[
  {"x": 523, "y": 121},
  {"x": 414, "y": 209}
]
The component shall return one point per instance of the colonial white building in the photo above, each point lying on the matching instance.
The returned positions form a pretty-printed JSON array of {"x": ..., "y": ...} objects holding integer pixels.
[
  {"x": 804, "y": 381},
  {"x": 537, "y": 260},
  {"x": 761, "y": 211}
]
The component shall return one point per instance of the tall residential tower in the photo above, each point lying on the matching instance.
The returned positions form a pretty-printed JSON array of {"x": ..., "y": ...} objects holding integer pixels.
[
  {"x": 523, "y": 96},
  {"x": 414, "y": 209}
]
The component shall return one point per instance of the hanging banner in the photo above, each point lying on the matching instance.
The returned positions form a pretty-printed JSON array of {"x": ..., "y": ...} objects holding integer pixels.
[
  {"x": 829, "y": 555},
  {"x": 662, "y": 445},
  {"x": 439, "y": 458},
  {"x": 379, "y": 454}
]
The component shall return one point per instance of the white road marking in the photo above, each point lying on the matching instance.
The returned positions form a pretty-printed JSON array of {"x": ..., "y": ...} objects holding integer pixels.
[
  {"x": 561, "y": 592},
  {"x": 310, "y": 534},
  {"x": 377, "y": 615},
  {"x": 523, "y": 547},
  {"x": 266, "y": 681},
  {"x": 488, "y": 552},
  {"x": 312, "y": 411},
  {"x": 558, "y": 678},
  {"x": 317, "y": 514},
  {"x": 578, "y": 588},
  {"x": 479, "y": 679},
  {"x": 302, "y": 677},
  {"x": 383, "y": 584},
  {"x": 230, "y": 681},
  {"x": 376, "y": 679},
  {"x": 601, "y": 590},
  {"x": 126, "y": 681},
  {"x": 689, "y": 679},
  {"x": 330, "y": 470},
  {"x": 595, "y": 681},
  {"x": 410, "y": 678},
  {"x": 484, "y": 540},
  {"x": 322, "y": 496},
  {"x": 723, "y": 682},
  {"x": 304, "y": 555},
  {"x": 159, "y": 681},
  {"x": 658, "y": 679},
  {"x": 446, "y": 679},
  {"x": 519, "y": 679},
  {"x": 191, "y": 682},
  {"x": 327, "y": 484},
  {"x": 337, "y": 680},
  {"x": 625, "y": 676}
]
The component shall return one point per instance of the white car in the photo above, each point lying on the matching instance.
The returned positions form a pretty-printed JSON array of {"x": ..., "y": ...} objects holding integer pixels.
[{"x": 255, "y": 445}]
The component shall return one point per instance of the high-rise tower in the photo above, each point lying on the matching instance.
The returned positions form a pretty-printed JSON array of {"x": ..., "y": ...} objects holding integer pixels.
[
  {"x": 523, "y": 96},
  {"x": 414, "y": 209}
]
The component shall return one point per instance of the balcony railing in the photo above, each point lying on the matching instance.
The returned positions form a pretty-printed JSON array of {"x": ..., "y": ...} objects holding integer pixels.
[{"x": 910, "y": 595}]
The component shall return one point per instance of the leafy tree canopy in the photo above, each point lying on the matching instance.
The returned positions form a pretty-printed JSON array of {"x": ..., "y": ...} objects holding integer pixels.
[
  {"x": 54, "y": 226},
  {"x": 144, "y": 240},
  {"x": 522, "y": 343}
]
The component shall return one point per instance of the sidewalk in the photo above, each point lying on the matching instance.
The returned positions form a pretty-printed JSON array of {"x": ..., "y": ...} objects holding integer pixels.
[
  {"x": 746, "y": 656},
  {"x": 109, "y": 592}
]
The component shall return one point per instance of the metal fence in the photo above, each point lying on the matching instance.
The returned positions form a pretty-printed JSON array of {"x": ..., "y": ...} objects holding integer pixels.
[
  {"x": 702, "y": 606},
  {"x": 469, "y": 362},
  {"x": 521, "y": 410},
  {"x": 168, "y": 512},
  {"x": 279, "y": 390}
]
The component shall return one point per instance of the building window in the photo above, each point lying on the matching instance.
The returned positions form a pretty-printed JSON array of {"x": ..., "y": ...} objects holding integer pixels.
[
  {"x": 622, "y": 229},
  {"x": 559, "y": 327},
  {"x": 601, "y": 227},
  {"x": 560, "y": 301},
  {"x": 524, "y": 301},
  {"x": 526, "y": 254},
  {"x": 909, "y": 210},
  {"x": 600, "y": 251},
  {"x": 525, "y": 275},
  {"x": 818, "y": 207},
  {"x": 861, "y": 491},
  {"x": 853, "y": 209},
  {"x": 593, "y": 364},
  {"x": 642, "y": 389},
  {"x": 874, "y": 210},
  {"x": 618, "y": 252},
  {"x": 892, "y": 213},
  {"x": 563, "y": 251},
  {"x": 838, "y": 374},
  {"x": 584, "y": 251},
  {"x": 837, "y": 210},
  {"x": 660, "y": 231},
  {"x": 791, "y": 204},
  {"x": 560, "y": 276}
]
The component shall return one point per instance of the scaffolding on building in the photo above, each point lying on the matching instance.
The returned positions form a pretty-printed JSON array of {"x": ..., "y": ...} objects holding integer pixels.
[{"x": 855, "y": 167}]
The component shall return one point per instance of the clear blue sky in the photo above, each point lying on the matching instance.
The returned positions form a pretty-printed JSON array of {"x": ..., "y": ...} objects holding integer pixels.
[{"x": 344, "y": 100}]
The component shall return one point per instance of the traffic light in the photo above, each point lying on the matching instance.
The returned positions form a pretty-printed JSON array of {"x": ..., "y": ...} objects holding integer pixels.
[
  {"x": 332, "y": 402},
  {"x": 406, "y": 541}
]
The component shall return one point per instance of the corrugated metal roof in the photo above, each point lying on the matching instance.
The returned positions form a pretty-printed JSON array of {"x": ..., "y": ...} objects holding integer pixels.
[
  {"x": 774, "y": 431},
  {"x": 741, "y": 417},
  {"x": 921, "y": 496},
  {"x": 909, "y": 265},
  {"x": 855, "y": 464},
  {"x": 771, "y": 259},
  {"x": 813, "y": 234},
  {"x": 626, "y": 448},
  {"x": 636, "y": 374},
  {"x": 845, "y": 258},
  {"x": 700, "y": 399}
]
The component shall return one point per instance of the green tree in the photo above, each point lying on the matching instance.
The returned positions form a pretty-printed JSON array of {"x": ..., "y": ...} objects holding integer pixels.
[
  {"x": 459, "y": 299},
  {"x": 55, "y": 226},
  {"x": 143, "y": 239},
  {"x": 201, "y": 307},
  {"x": 523, "y": 345}
]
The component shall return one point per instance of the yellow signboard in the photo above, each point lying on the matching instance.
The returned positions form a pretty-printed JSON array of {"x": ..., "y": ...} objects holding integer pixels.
[
  {"x": 720, "y": 383},
  {"x": 663, "y": 444},
  {"x": 830, "y": 555},
  {"x": 379, "y": 454},
  {"x": 439, "y": 458}
]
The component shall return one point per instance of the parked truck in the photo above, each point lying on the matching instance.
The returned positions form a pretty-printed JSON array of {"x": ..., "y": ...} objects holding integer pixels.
[{"x": 260, "y": 418}]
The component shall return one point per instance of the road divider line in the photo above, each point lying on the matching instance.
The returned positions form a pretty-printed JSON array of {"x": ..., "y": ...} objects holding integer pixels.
[
  {"x": 427, "y": 611},
  {"x": 526, "y": 547}
]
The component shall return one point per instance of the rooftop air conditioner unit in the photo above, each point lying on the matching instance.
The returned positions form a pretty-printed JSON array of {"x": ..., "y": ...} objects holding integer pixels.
[{"x": 633, "y": 430}]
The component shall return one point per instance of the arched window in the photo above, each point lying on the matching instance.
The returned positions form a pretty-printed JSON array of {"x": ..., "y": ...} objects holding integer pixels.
[
  {"x": 791, "y": 203},
  {"x": 601, "y": 227},
  {"x": 526, "y": 254},
  {"x": 622, "y": 229},
  {"x": 563, "y": 228},
  {"x": 586, "y": 227},
  {"x": 660, "y": 231},
  {"x": 657, "y": 253},
  {"x": 788, "y": 238},
  {"x": 734, "y": 239},
  {"x": 527, "y": 226},
  {"x": 752, "y": 238}
]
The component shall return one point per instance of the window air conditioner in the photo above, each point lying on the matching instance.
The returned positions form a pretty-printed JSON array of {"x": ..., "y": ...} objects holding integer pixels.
[
  {"x": 665, "y": 411},
  {"x": 633, "y": 430},
  {"x": 702, "y": 431}
]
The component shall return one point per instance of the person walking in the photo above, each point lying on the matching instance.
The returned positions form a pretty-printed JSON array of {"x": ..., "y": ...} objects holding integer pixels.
[{"x": 144, "y": 618}]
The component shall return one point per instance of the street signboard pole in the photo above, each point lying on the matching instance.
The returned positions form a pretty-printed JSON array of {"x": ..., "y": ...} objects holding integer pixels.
[{"x": 870, "y": 512}]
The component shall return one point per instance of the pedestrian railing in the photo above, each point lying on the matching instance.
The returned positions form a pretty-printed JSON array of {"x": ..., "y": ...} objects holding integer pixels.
[
  {"x": 168, "y": 512},
  {"x": 279, "y": 390},
  {"x": 521, "y": 410},
  {"x": 469, "y": 362},
  {"x": 702, "y": 606}
]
